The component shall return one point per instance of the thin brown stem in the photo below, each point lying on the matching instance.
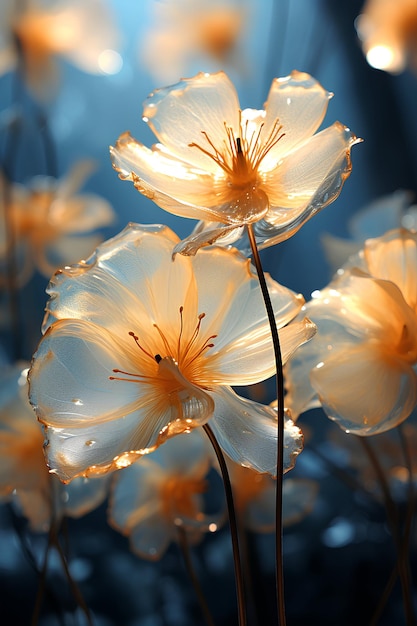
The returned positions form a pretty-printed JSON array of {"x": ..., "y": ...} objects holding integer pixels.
[
  {"x": 280, "y": 428},
  {"x": 185, "y": 551},
  {"x": 392, "y": 518},
  {"x": 240, "y": 592}
]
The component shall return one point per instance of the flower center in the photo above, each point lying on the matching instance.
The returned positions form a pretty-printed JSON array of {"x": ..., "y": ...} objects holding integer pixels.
[
  {"x": 178, "y": 497},
  {"x": 173, "y": 372},
  {"x": 240, "y": 157}
]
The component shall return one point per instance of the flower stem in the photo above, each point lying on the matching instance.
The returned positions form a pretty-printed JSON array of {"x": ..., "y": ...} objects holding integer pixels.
[
  {"x": 279, "y": 562},
  {"x": 185, "y": 551},
  {"x": 392, "y": 518},
  {"x": 233, "y": 526}
]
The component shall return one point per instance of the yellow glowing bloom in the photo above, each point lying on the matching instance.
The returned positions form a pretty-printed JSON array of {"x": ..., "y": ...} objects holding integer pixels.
[
  {"x": 362, "y": 365},
  {"x": 82, "y": 31},
  {"x": 388, "y": 31},
  {"x": 192, "y": 32},
  {"x": 24, "y": 476},
  {"x": 150, "y": 499},
  {"x": 139, "y": 348},
  {"x": 230, "y": 167},
  {"x": 52, "y": 224}
]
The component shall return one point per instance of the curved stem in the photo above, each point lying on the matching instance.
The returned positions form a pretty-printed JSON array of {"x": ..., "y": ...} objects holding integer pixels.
[
  {"x": 233, "y": 526},
  {"x": 185, "y": 551},
  {"x": 392, "y": 518},
  {"x": 280, "y": 428}
]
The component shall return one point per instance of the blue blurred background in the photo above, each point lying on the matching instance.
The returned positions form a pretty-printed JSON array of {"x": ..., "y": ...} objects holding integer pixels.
[{"x": 338, "y": 559}]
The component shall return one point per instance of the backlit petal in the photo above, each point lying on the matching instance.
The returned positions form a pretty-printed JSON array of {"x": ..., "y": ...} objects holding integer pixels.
[
  {"x": 247, "y": 432},
  {"x": 178, "y": 114},
  {"x": 299, "y": 102},
  {"x": 394, "y": 257},
  {"x": 385, "y": 390}
]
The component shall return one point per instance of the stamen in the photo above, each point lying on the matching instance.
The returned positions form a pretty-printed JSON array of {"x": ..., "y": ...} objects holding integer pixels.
[
  {"x": 136, "y": 338},
  {"x": 181, "y": 329},
  {"x": 164, "y": 339},
  {"x": 158, "y": 358}
]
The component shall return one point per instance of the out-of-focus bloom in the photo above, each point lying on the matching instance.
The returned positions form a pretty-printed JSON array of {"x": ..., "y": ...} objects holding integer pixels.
[
  {"x": 139, "y": 348},
  {"x": 81, "y": 31},
  {"x": 362, "y": 365},
  {"x": 192, "y": 32},
  {"x": 151, "y": 498},
  {"x": 384, "y": 214},
  {"x": 390, "y": 454},
  {"x": 230, "y": 167},
  {"x": 388, "y": 31},
  {"x": 24, "y": 476},
  {"x": 52, "y": 224},
  {"x": 254, "y": 498}
]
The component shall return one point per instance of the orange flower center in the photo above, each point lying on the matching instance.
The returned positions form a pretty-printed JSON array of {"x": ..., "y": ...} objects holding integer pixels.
[
  {"x": 178, "y": 497},
  {"x": 240, "y": 157},
  {"x": 185, "y": 354}
]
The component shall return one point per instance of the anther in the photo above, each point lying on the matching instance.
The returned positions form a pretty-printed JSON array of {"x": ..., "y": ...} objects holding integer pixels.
[
  {"x": 239, "y": 145},
  {"x": 158, "y": 358}
]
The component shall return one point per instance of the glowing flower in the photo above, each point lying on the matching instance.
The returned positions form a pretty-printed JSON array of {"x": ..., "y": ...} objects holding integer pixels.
[
  {"x": 385, "y": 213},
  {"x": 192, "y": 31},
  {"x": 139, "y": 348},
  {"x": 150, "y": 499},
  {"x": 82, "y": 31},
  {"x": 254, "y": 498},
  {"x": 362, "y": 365},
  {"x": 230, "y": 167},
  {"x": 388, "y": 31},
  {"x": 24, "y": 476},
  {"x": 52, "y": 223}
]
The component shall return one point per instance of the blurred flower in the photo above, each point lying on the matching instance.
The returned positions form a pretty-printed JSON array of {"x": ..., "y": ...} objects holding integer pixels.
[
  {"x": 388, "y": 31},
  {"x": 24, "y": 476},
  {"x": 385, "y": 213},
  {"x": 185, "y": 29},
  {"x": 51, "y": 222},
  {"x": 82, "y": 31},
  {"x": 155, "y": 496},
  {"x": 362, "y": 365},
  {"x": 388, "y": 450},
  {"x": 139, "y": 348},
  {"x": 254, "y": 498},
  {"x": 230, "y": 167}
]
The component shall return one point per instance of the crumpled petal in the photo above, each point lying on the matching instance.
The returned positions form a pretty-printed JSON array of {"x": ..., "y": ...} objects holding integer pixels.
[{"x": 247, "y": 432}]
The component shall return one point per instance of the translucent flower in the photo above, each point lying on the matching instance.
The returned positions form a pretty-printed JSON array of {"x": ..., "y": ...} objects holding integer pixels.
[
  {"x": 230, "y": 167},
  {"x": 254, "y": 498},
  {"x": 139, "y": 348},
  {"x": 388, "y": 31},
  {"x": 53, "y": 225},
  {"x": 186, "y": 32},
  {"x": 152, "y": 498},
  {"x": 385, "y": 213},
  {"x": 81, "y": 31},
  {"x": 362, "y": 365},
  {"x": 24, "y": 476}
]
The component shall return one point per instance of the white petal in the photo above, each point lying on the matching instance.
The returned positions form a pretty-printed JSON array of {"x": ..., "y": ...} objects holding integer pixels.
[
  {"x": 299, "y": 102},
  {"x": 247, "y": 432},
  {"x": 178, "y": 114}
]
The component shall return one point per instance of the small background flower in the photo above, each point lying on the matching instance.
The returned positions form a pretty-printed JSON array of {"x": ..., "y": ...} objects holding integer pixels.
[
  {"x": 53, "y": 224},
  {"x": 155, "y": 498}
]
